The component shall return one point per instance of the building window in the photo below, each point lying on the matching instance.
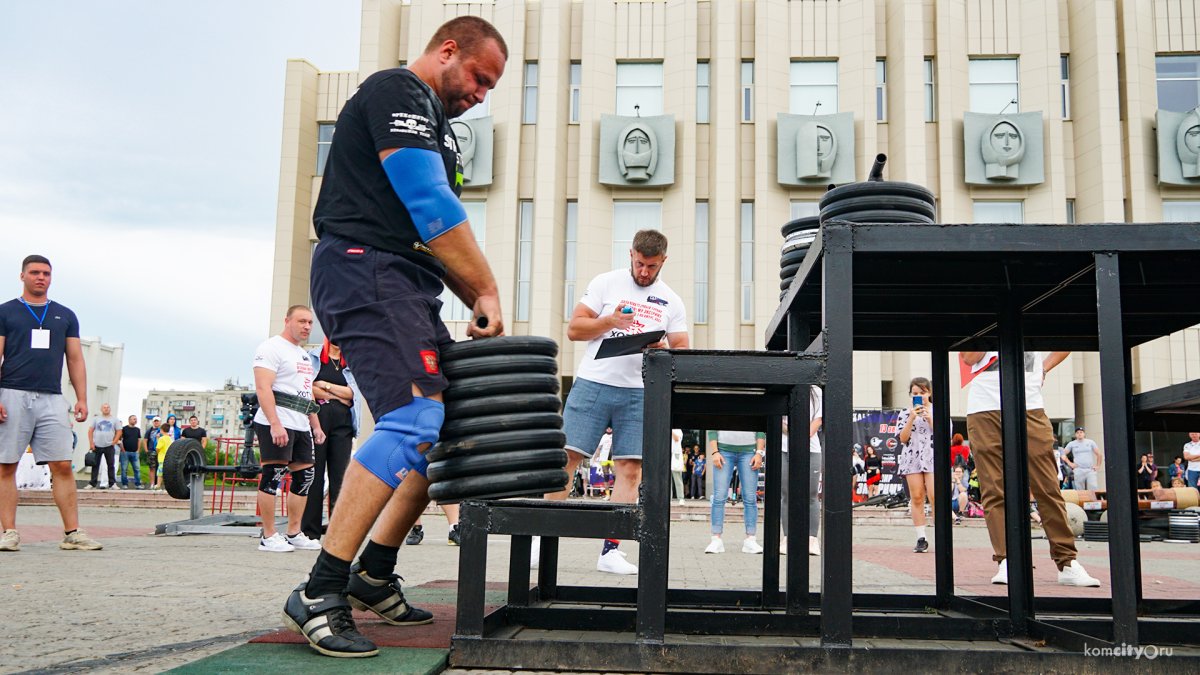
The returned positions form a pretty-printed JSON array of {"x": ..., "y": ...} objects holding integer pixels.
[
  {"x": 639, "y": 89},
  {"x": 813, "y": 88},
  {"x": 453, "y": 309},
  {"x": 324, "y": 142},
  {"x": 576, "y": 78},
  {"x": 701, "y": 286},
  {"x": 993, "y": 85},
  {"x": 628, "y": 218},
  {"x": 1070, "y": 211},
  {"x": 930, "y": 101},
  {"x": 1065, "y": 67},
  {"x": 481, "y": 109},
  {"x": 524, "y": 259},
  {"x": 570, "y": 238},
  {"x": 702, "y": 91},
  {"x": 747, "y": 262},
  {"x": 804, "y": 209},
  {"x": 998, "y": 212},
  {"x": 1181, "y": 212},
  {"x": 1178, "y": 82},
  {"x": 880, "y": 90},
  {"x": 531, "y": 85},
  {"x": 747, "y": 91}
]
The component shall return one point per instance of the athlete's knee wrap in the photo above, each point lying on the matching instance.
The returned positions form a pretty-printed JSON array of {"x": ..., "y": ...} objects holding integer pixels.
[
  {"x": 302, "y": 480},
  {"x": 393, "y": 449},
  {"x": 268, "y": 480}
]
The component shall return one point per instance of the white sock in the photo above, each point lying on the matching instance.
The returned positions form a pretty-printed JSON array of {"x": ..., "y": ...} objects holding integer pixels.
[{"x": 920, "y": 531}]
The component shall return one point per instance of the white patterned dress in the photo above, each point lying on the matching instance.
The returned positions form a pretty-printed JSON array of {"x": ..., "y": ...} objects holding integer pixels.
[{"x": 917, "y": 455}]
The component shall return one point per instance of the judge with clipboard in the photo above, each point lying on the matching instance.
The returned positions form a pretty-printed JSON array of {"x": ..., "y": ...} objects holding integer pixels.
[{"x": 622, "y": 313}]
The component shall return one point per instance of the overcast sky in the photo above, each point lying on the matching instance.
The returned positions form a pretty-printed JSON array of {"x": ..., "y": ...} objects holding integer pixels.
[{"x": 139, "y": 151}]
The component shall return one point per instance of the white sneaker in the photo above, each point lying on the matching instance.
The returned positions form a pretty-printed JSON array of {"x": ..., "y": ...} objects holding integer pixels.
[
  {"x": 783, "y": 546},
  {"x": 614, "y": 562},
  {"x": 814, "y": 546},
  {"x": 751, "y": 545},
  {"x": 302, "y": 542},
  {"x": 1002, "y": 574},
  {"x": 715, "y": 546},
  {"x": 535, "y": 553},
  {"x": 275, "y": 544},
  {"x": 1075, "y": 575},
  {"x": 10, "y": 540},
  {"x": 682, "y": 502}
]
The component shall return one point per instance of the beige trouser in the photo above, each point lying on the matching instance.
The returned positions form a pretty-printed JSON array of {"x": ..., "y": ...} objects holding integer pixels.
[{"x": 987, "y": 446}]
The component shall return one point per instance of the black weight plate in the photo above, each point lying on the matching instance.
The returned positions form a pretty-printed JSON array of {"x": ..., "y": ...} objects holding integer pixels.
[
  {"x": 793, "y": 257},
  {"x": 500, "y": 364},
  {"x": 798, "y": 224},
  {"x": 478, "y": 465},
  {"x": 911, "y": 204},
  {"x": 184, "y": 457},
  {"x": 789, "y": 271},
  {"x": 494, "y": 424},
  {"x": 492, "y": 385},
  {"x": 504, "y": 441},
  {"x": 883, "y": 216},
  {"x": 786, "y": 283},
  {"x": 507, "y": 344},
  {"x": 499, "y": 485},
  {"x": 795, "y": 247},
  {"x": 883, "y": 188},
  {"x": 499, "y": 405}
]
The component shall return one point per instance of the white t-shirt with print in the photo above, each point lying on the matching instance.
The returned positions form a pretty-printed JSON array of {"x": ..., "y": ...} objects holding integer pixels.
[
  {"x": 655, "y": 307},
  {"x": 984, "y": 394},
  {"x": 293, "y": 375}
]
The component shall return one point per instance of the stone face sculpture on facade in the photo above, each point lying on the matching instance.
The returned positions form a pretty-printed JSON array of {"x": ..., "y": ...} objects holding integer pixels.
[
  {"x": 1187, "y": 144},
  {"x": 816, "y": 151},
  {"x": 637, "y": 152},
  {"x": 464, "y": 136},
  {"x": 1003, "y": 148}
]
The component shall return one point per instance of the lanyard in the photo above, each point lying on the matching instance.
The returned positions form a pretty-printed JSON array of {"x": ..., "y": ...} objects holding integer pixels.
[{"x": 45, "y": 310}]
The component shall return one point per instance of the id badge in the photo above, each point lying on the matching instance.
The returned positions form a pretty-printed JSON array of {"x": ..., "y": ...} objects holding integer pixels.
[{"x": 40, "y": 339}]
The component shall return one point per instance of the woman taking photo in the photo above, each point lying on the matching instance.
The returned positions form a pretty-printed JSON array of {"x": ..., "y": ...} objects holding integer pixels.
[{"x": 916, "y": 457}]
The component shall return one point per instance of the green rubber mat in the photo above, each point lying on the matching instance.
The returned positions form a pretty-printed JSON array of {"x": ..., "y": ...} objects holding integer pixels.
[{"x": 268, "y": 659}]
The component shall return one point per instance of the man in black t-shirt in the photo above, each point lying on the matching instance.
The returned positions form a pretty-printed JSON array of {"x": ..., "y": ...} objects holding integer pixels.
[
  {"x": 391, "y": 228},
  {"x": 131, "y": 437},
  {"x": 194, "y": 430},
  {"x": 36, "y": 335}
]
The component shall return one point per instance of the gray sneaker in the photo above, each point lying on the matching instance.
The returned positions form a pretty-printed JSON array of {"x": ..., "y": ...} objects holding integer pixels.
[
  {"x": 79, "y": 541},
  {"x": 10, "y": 541}
]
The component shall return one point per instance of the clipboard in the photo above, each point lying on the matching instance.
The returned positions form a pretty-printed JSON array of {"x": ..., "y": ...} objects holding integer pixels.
[{"x": 628, "y": 344}]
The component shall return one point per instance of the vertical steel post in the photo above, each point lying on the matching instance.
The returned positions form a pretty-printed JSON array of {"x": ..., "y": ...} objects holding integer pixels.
[
  {"x": 943, "y": 534},
  {"x": 1016, "y": 479},
  {"x": 655, "y": 497}
]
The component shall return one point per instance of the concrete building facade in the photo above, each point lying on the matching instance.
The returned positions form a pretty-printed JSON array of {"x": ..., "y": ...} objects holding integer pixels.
[
  {"x": 908, "y": 71},
  {"x": 219, "y": 410},
  {"x": 104, "y": 362}
]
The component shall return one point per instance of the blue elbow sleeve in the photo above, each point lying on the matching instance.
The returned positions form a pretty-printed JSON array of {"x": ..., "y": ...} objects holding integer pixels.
[{"x": 419, "y": 178}]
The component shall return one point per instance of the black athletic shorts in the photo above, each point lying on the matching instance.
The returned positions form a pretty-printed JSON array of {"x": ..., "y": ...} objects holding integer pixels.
[
  {"x": 297, "y": 450},
  {"x": 383, "y": 311}
]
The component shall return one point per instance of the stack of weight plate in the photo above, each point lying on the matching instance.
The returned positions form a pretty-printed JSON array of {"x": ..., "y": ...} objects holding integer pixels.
[
  {"x": 1095, "y": 531},
  {"x": 503, "y": 431},
  {"x": 1184, "y": 525},
  {"x": 798, "y": 236},
  {"x": 882, "y": 201}
]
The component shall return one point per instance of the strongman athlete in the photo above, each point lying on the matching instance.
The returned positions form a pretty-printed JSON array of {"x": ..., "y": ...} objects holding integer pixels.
[{"x": 392, "y": 230}]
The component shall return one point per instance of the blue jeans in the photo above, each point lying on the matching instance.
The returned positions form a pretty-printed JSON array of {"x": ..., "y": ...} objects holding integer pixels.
[
  {"x": 749, "y": 480},
  {"x": 131, "y": 459},
  {"x": 1192, "y": 477}
]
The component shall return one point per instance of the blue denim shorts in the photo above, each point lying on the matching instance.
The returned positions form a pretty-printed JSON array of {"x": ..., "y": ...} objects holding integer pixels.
[{"x": 592, "y": 407}]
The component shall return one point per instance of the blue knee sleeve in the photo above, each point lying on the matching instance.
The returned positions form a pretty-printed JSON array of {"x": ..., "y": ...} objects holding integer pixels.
[{"x": 391, "y": 451}]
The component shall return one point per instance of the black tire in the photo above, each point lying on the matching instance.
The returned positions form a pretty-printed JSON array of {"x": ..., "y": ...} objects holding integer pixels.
[
  {"x": 910, "y": 204},
  {"x": 183, "y": 458},
  {"x": 500, "y": 364},
  {"x": 500, "y": 405},
  {"x": 492, "y": 385},
  {"x": 785, "y": 283},
  {"x": 876, "y": 189},
  {"x": 795, "y": 247},
  {"x": 505, "y": 462},
  {"x": 883, "y": 216},
  {"x": 789, "y": 271},
  {"x": 807, "y": 222},
  {"x": 498, "y": 485},
  {"x": 494, "y": 424},
  {"x": 508, "y": 344},
  {"x": 794, "y": 257},
  {"x": 505, "y": 441}
]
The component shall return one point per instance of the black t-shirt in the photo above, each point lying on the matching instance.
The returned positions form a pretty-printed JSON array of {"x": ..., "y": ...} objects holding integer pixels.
[
  {"x": 31, "y": 369},
  {"x": 391, "y": 109},
  {"x": 129, "y": 438},
  {"x": 331, "y": 372},
  {"x": 874, "y": 463},
  {"x": 196, "y": 433}
]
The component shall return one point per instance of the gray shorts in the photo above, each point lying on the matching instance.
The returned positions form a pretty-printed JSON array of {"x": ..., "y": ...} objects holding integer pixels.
[{"x": 35, "y": 420}]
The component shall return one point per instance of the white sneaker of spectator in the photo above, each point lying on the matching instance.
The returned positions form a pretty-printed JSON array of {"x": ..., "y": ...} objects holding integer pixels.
[
  {"x": 614, "y": 562},
  {"x": 751, "y": 545},
  {"x": 275, "y": 544},
  {"x": 302, "y": 542},
  {"x": 715, "y": 546}
]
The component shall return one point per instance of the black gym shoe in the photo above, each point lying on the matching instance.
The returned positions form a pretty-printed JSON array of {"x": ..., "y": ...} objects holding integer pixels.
[
  {"x": 453, "y": 538},
  {"x": 415, "y": 536},
  {"x": 921, "y": 546},
  {"x": 326, "y": 622},
  {"x": 383, "y": 597}
]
